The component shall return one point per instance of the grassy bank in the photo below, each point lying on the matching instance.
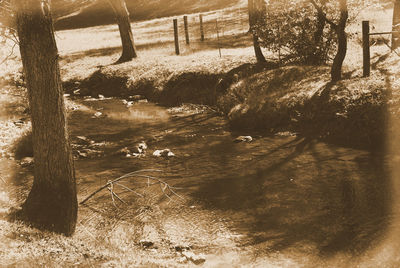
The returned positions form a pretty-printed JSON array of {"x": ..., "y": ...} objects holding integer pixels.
[{"x": 260, "y": 97}]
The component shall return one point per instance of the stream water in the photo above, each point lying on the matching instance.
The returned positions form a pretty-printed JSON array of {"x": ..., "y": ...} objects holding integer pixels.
[
  {"x": 275, "y": 192},
  {"x": 280, "y": 194}
]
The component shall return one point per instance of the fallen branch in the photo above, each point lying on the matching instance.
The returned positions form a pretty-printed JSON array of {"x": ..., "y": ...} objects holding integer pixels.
[{"x": 136, "y": 174}]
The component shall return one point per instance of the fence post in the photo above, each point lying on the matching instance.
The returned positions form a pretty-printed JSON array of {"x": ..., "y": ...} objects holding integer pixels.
[
  {"x": 176, "y": 36},
  {"x": 201, "y": 28},
  {"x": 366, "y": 51},
  {"x": 185, "y": 22}
]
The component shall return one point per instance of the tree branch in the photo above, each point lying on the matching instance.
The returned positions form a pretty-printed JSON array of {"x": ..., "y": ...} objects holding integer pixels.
[{"x": 322, "y": 12}]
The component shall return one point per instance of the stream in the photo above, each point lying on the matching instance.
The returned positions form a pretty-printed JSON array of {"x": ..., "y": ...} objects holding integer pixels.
[{"x": 282, "y": 198}]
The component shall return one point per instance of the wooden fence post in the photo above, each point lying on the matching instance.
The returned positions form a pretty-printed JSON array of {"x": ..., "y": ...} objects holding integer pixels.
[
  {"x": 201, "y": 28},
  {"x": 366, "y": 51},
  {"x": 185, "y": 22},
  {"x": 176, "y": 36}
]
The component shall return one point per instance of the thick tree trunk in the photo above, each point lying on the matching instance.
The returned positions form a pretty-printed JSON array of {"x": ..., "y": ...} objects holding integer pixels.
[
  {"x": 336, "y": 69},
  {"x": 256, "y": 14},
  {"x": 52, "y": 202},
  {"x": 396, "y": 25},
  {"x": 125, "y": 30}
]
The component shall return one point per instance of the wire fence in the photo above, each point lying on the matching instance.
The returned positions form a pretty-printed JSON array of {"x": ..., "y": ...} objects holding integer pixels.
[{"x": 227, "y": 28}]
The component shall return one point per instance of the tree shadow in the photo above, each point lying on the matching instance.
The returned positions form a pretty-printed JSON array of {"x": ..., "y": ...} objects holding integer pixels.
[{"x": 306, "y": 192}]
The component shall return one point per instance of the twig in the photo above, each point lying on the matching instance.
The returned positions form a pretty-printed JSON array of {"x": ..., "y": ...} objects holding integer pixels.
[
  {"x": 12, "y": 52},
  {"x": 119, "y": 198},
  {"x": 110, "y": 186},
  {"x": 112, "y": 194},
  {"x": 384, "y": 41},
  {"x": 129, "y": 189}
]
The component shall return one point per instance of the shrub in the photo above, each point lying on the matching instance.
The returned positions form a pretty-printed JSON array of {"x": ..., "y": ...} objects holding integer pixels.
[{"x": 297, "y": 33}]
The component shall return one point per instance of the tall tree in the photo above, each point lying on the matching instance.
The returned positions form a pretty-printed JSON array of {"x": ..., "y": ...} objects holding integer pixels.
[
  {"x": 396, "y": 25},
  {"x": 52, "y": 201},
  {"x": 256, "y": 10},
  {"x": 340, "y": 29},
  {"x": 125, "y": 30}
]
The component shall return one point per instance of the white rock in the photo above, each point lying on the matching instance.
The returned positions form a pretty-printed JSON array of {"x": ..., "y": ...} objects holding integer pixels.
[
  {"x": 97, "y": 115},
  {"x": 26, "y": 161},
  {"x": 142, "y": 145},
  {"x": 163, "y": 153},
  {"x": 244, "y": 139}
]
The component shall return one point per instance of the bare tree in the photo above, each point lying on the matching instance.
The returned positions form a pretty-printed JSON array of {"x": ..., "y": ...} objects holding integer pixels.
[
  {"x": 52, "y": 201},
  {"x": 125, "y": 30},
  {"x": 340, "y": 29},
  {"x": 256, "y": 10}
]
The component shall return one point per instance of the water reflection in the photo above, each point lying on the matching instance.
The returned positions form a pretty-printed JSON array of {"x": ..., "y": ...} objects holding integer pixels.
[{"x": 279, "y": 192}]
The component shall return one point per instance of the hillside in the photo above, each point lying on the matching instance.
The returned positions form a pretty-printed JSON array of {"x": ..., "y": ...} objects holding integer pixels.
[{"x": 100, "y": 13}]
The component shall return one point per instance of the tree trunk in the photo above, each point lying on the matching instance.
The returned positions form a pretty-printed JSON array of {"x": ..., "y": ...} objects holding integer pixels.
[
  {"x": 125, "y": 30},
  {"x": 320, "y": 27},
  {"x": 256, "y": 15},
  {"x": 52, "y": 202},
  {"x": 336, "y": 69},
  {"x": 396, "y": 25},
  {"x": 318, "y": 38}
]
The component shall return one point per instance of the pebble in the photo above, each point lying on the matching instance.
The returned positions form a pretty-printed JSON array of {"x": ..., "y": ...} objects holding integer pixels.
[
  {"x": 244, "y": 139},
  {"x": 27, "y": 161},
  {"x": 97, "y": 115}
]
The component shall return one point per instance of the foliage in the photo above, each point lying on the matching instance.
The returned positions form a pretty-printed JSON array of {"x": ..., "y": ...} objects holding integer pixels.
[
  {"x": 291, "y": 32},
  {"x": 302, "y": 33}
]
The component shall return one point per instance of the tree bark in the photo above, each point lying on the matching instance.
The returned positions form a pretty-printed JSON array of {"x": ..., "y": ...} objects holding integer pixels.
[
  {"x": 52, "y": 201},
  {"x": 122, "y": 16},
  {"x": 336, "y": 69},
  {"x": 256, "y": 14},
  {"x": 396, "y": 25}
]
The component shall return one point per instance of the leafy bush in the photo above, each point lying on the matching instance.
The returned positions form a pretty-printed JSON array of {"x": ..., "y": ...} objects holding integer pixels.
[{"x": 296, "y": 33}]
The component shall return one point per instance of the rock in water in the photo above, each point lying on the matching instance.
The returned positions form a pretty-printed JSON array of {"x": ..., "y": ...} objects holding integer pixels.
[
  {"x": 244, "y": 139},
  {"x": 142, "y": 146},
  {"x": 163, "y": 153},
  {"x": 27, "y": 161},
  {"x": 97, "y": 115}
]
